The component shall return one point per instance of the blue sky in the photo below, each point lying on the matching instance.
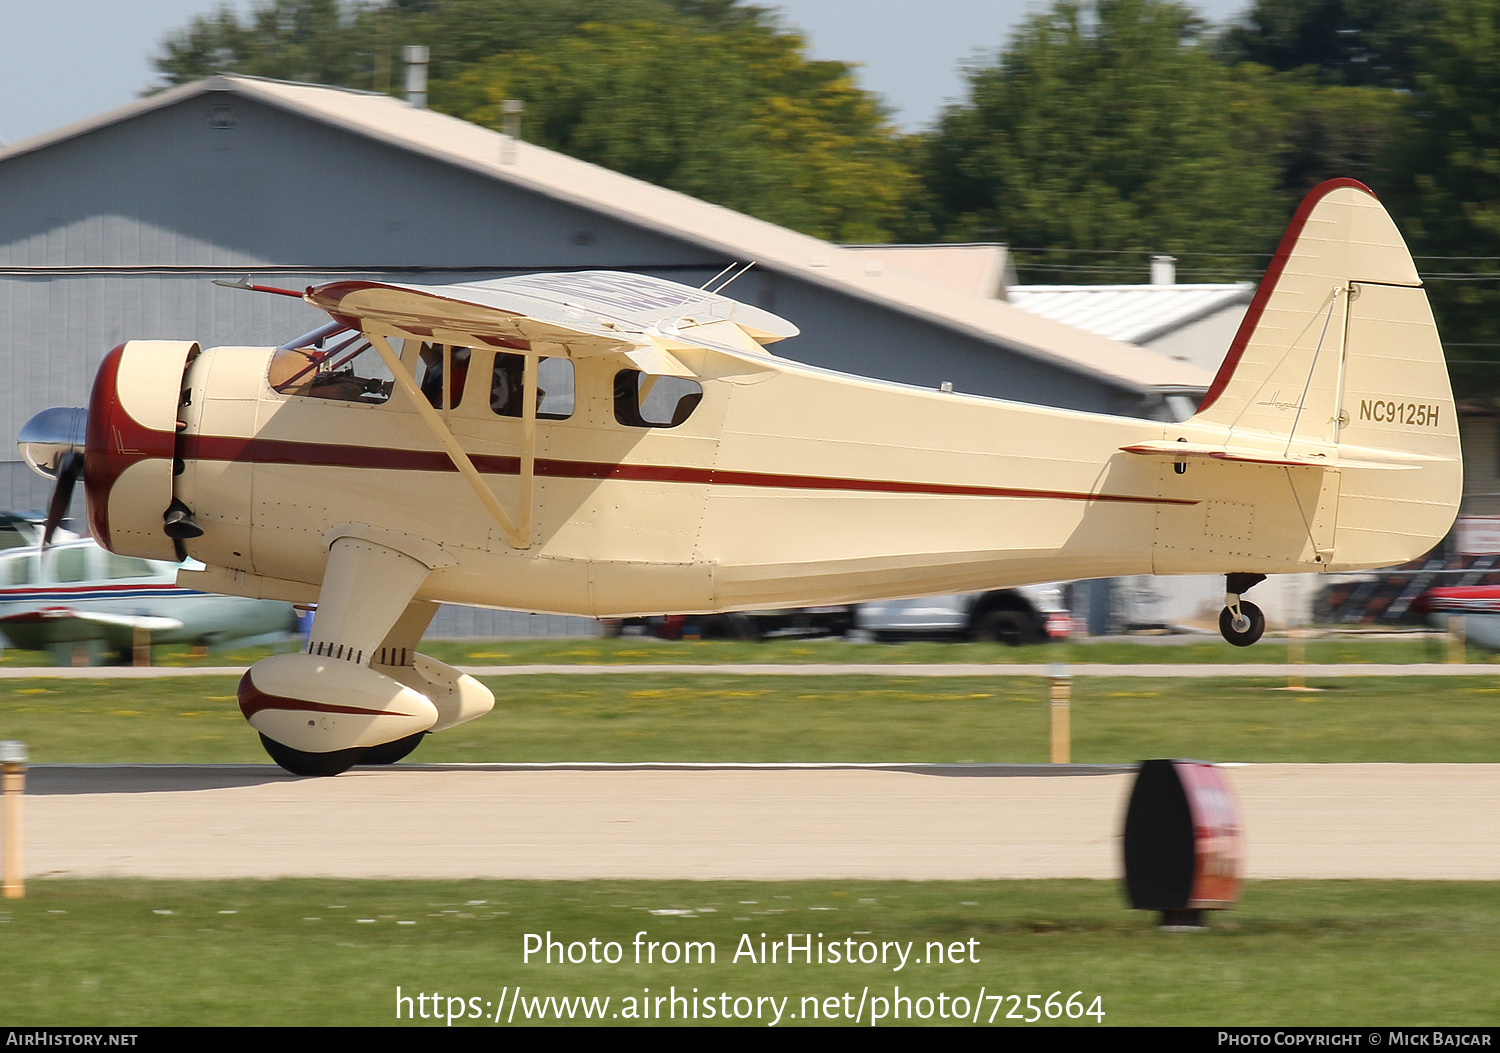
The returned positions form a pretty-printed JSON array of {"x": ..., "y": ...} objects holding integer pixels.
[{"x": 66, "y": 60}]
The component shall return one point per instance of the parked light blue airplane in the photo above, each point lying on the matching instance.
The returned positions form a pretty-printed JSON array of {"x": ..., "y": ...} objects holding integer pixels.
[{"x": 75, "y": 595}]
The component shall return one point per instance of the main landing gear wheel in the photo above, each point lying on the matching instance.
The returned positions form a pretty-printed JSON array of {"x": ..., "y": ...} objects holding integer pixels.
[
  {"x": 1244, "y": 630},
  {"x": 299, "y": 763},
  {"x": 391, "y": 752}
]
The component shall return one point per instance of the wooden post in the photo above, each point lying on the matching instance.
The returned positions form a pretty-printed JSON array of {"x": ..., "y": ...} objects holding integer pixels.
[
  {"x": 12, "y": 789},
  {"x": 1296, "y": 654},
  {"x": 1061, "y": 696},
  {"x": 140, "y": 653},
  {"x": 1456, "y": 629}
]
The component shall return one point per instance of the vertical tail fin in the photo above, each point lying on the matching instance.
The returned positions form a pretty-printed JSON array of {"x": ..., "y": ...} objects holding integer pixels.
[
  {"x": 1290, "y": 346},
  {"x": 1338, "y": 357}
]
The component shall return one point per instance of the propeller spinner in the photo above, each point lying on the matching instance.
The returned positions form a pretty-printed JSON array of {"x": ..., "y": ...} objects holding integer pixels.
[{"x": 52, "y": 442}]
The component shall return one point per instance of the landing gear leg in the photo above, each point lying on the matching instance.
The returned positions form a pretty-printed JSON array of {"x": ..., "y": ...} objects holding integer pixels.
[
  {"x": 320, "y": 712},
  {"x": 1241, "y": 622},
  {"x": 457, "y": 697}
]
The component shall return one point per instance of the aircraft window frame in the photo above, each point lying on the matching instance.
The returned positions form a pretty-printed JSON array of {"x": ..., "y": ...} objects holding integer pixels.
[
  {"x": 557, "y": 386},
  {"x": 428, "y": 371},
  {"x": 350, "y": 371},
  {"x": 650, "y": 402}
]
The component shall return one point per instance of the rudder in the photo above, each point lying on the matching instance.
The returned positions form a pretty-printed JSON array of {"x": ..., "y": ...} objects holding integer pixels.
[{"x": 1338, "y": 357}]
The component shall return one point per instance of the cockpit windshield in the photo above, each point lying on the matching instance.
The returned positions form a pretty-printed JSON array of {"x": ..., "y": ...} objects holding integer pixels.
[{"x": 331, "y": 362}]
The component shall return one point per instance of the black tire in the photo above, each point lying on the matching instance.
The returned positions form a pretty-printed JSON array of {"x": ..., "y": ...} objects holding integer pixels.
[
  {"x": 1012, "y": 628},
  {"x": 1255, "y": 630},
  {"x": 741, "y": 626},
  {"x": 391, "y": 752},
  {"x": 313, "y": 764}
]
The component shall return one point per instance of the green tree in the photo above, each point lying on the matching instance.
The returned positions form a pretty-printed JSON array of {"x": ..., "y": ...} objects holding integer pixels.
[
  {"x": 1107, "y": 126},
  {"x": 738, "y": 116},
  {"x": 708, "y": 97},
  {"x": 356, "y": 44},
  {"x": 320, "y": 41},
  {"x": 1315, "y": 131},
  {"x": 1452, "y": 187},
  {"x": 1335, "y": 75},
  {"x": 1348, "y": 42}
]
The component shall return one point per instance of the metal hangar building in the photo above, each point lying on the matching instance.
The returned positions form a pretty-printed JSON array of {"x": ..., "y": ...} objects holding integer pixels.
[{"x": 110, "y": 230}]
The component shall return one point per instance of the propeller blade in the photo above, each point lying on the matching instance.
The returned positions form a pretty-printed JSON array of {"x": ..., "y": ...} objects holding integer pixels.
[{"x": 68, "y": 471}]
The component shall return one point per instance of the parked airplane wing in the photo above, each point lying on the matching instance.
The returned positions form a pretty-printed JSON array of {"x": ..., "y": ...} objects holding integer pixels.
[
  {"x": 40, "y": 629},
  {"x": 144, "y": 623}
]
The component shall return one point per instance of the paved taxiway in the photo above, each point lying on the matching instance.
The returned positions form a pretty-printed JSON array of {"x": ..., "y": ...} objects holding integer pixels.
[{"x": 732, "y": 821}]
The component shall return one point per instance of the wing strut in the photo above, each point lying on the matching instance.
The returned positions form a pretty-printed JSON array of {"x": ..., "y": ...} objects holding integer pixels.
[
  {"x": 529, "y": 384},
  {"x": 517, "y": 538}
]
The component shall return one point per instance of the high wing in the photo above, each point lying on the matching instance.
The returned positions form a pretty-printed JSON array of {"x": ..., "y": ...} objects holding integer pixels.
[{"x": 643, "y": 319}]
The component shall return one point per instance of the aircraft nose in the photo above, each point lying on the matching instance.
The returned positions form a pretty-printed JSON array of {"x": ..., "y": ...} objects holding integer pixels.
[{"x": 48, "y": 438}]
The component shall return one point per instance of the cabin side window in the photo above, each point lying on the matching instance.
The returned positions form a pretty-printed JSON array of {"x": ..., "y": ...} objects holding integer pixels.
[
  {"x": 554, "y": 382},
  {"x": 71, "y": 564},
  {"x": 434, "y": 363},
  {"x": 331, "y": 362},
  {"x": 646, "y": 401},
  {"x": 125, "y": 567},
  {"x": 19, "y": 570}
]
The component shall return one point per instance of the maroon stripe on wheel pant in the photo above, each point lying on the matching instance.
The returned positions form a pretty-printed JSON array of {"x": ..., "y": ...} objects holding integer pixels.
[{"x": 253, "y": 700}]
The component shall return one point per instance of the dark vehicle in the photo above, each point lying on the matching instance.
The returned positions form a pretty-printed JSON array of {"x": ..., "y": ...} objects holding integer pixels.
[{"x": 737, "y": 625}]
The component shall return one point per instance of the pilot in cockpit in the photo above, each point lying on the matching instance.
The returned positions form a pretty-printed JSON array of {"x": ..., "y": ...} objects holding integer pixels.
[{"x": 432, "y": 374}]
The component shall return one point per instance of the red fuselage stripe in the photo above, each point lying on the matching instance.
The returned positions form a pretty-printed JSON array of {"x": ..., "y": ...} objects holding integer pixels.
[{"x": 279, "y": 451}]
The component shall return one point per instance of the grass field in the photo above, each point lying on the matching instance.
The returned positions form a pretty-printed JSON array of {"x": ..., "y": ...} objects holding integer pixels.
[
  {"x": 135, "y": 953},
  {"x": 709, "y": 717},
  {"x": 140, "y": 953},
  {"x": 1328, "y": 646}
]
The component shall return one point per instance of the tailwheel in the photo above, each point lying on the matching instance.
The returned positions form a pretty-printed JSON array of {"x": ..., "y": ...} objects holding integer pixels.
[
  {"x": 1244, "y": 629},
  {"x": 391, "y": 752},
  {"x": 299, "y": 762}
]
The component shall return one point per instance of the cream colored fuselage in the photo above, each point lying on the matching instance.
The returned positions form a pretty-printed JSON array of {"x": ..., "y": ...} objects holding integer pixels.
[{"x": 787, "y": 485}]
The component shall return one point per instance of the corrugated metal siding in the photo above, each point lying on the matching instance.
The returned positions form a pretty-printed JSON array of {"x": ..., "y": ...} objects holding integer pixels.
[
  {"x": 168, "y": 189},
  {"x": 453, "y": 622}
]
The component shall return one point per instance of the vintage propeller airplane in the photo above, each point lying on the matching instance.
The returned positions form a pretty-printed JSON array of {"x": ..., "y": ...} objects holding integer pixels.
[{"x": 612, "y": 445}]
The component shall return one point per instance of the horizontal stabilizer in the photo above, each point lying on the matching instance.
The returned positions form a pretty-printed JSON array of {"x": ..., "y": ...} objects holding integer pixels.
[{"x": 1181, "y": 451}]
